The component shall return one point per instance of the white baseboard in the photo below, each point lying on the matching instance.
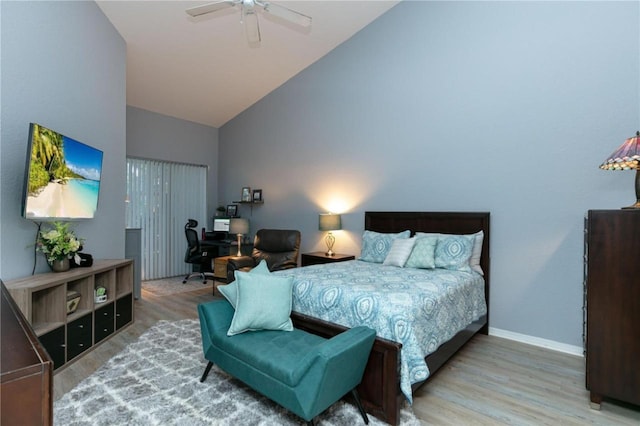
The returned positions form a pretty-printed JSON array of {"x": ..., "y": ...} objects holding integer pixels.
[{"x": 537, "y": 341}]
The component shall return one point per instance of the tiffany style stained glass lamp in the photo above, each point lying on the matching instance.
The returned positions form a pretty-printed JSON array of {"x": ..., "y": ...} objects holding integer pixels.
[{"x": 627, "y": 157}]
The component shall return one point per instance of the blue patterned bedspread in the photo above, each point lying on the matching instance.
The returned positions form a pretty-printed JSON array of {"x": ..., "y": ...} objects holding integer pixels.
[{"x": 420, "y": 308}]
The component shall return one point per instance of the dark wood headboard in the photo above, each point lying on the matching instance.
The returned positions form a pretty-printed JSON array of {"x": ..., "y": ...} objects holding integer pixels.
[{"x": 443, "y": 222}]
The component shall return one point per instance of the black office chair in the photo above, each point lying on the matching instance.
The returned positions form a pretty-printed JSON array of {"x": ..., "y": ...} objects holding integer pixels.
[{"x": 196, "y": 255}]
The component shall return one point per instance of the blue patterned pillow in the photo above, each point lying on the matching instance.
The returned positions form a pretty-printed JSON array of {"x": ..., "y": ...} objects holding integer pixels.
[
  {"x": 454, "y": 252},
  {"x": 376, "y": 245},
  {"x": 423, "y": 254}
]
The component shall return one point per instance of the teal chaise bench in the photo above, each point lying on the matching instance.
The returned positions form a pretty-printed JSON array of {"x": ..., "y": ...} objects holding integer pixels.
[{"x": 302, "y": 372}]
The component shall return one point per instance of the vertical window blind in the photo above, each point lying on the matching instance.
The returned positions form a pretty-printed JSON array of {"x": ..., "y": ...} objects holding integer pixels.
[{"x": 161, "y": 197}]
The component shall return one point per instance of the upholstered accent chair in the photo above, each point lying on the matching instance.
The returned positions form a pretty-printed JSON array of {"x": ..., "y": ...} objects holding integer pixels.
[{"x": 278, "y": 247}]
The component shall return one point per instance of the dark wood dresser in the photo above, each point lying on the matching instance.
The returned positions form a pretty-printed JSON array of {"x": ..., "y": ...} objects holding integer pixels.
[
  {"x": 26, "y": 371},
  {"x": 612, "y": 280}
]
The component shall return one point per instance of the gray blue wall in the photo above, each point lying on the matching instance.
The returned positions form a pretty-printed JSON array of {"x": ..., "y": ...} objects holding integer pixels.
[
  {"x": 507, "y": 107},
  {"x": 63, "y": 66},
  {"x": 160, "y": 137}
]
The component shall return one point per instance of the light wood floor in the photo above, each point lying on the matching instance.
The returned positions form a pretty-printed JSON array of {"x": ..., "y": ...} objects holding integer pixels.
[{"x": 490, "y": 381}]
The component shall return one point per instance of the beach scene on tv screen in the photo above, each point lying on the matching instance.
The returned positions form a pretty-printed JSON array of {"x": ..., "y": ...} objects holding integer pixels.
[{"x": 64, "y": 177}]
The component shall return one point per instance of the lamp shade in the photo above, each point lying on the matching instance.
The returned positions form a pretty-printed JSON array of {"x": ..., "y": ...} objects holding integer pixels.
[
  {"x": 627, "y": 157},
  {"x": 329, "y": 222},
  {"x": 239, "y": 225}
]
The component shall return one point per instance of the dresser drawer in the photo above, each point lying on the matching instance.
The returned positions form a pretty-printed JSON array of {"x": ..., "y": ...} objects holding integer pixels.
[
  {"x": 124, "y": 311},
  {"x": 104, "y": 322},
  {"x": 54, "y": 343},
  {"x": 79, "y": 336}
]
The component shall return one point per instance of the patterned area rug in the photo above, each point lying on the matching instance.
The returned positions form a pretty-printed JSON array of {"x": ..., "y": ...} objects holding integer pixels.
[
  {"x": 173, "y": 285},
  {"x": 156, "y": 381}
]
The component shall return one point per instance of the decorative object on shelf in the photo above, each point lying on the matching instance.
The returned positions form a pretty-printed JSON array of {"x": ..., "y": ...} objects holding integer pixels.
[
  {"x": 59, "y": 244},
  {"x": 221, "y": 211},
  {"x": 239, "y": 226},
  {"x": 232, "y": 210},
  {"x": 73, "y": 300},
  {"x": 627, "y": 157},
  {"x": 257, "y": 195},
  {"x": 86, "y": 260},
  {"x": 60, "y": 265},
  {"x": 246, "y": 195},
  {"x": 100, "y": 294},
  {"x": 329, "y": 222}
]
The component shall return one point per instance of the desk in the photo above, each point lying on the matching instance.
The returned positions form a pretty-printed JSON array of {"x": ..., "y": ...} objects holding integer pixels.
[
  {"x": 225, "y": 248},
  {"x": 220, "y": 252}
]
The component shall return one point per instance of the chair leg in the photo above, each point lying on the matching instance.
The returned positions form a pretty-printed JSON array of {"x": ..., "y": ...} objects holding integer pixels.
[
  {"x": 354, "y": 392},
  {"x": 206, "y": 372}
]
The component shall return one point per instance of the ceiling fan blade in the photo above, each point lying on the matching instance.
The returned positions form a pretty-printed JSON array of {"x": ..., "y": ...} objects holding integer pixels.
[
  {"x": 211, "y": 7},
  {"x": 286, "y": 13},
  {"x": 251, "y": 25}
]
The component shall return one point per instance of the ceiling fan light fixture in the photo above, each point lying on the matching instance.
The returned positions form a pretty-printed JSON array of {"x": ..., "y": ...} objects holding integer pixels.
[
  {"x": 286, "y": 13},
  {"x": 251, "y": 25},
  {"x": 249, "y": 16},
  {"x": 211, "y": 7}
]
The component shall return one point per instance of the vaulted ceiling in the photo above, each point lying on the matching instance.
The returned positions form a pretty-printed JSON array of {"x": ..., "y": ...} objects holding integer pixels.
[{"x": 203, "y": 69}]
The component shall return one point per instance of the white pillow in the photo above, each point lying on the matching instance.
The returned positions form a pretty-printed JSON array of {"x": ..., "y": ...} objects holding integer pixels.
[
  {"x": 477, "y": 251},
  {"x": 474, "y": 262},
  {"x": 400, "y": 251}
]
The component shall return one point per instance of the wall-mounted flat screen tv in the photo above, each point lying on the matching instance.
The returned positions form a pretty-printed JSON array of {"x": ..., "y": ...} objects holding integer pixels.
[{"x": 62, "y": 179}]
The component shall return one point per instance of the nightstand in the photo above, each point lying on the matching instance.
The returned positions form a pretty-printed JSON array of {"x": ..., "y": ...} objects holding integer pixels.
[{"x": 318, "y": 257}]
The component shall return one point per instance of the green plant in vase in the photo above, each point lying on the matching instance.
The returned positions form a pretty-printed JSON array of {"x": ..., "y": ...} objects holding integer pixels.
[{"x": 59, "y": 244}]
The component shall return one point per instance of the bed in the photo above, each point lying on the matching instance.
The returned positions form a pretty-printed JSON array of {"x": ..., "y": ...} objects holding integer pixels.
[{"x": 380, "y": 389}]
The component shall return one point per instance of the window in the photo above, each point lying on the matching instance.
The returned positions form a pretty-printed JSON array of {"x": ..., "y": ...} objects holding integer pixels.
[{"x": 161, "y": 197}]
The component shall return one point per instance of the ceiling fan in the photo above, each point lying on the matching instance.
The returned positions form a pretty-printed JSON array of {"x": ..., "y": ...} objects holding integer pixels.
[{"x": 249, "y": 15}]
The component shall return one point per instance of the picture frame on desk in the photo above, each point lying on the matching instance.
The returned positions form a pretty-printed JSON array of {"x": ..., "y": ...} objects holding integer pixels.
[
  {"x": 232, "y": 210},
  {"x": 257, "y": 195}
]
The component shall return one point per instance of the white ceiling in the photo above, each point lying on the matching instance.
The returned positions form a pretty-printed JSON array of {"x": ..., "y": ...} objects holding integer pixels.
[{"x": 203, "y": 69}]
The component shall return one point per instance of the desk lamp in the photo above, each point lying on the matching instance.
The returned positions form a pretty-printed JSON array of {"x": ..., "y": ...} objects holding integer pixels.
[
  {"x": 329, "y": 222},
  {"x": 627, "y": 157},
  {"x": 239, "y": 226}
]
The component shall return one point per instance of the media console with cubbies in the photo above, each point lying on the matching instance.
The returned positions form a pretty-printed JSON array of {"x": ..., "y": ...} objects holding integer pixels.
[{"x": 42, "y": 298}]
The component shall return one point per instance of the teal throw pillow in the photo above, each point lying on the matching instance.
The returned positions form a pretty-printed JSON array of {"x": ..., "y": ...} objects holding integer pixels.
[
  {"x": 376, "y": 245},
  {"x": 454, "y": 252},
  {"x": 230, "y": 290},
  {"x": 263, "y": 303},
  {"x": 423, "y": 254}
]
